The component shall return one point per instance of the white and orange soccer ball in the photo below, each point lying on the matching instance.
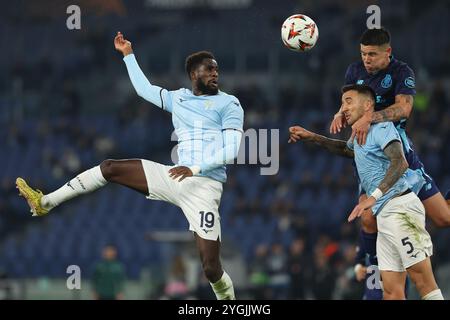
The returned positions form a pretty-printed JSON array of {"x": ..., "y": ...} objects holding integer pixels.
[{"x": 299, "y": 33}]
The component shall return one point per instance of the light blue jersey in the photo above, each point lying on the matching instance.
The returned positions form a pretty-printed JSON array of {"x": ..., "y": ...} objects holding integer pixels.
[
  {"x": 199, "y": 121},
  {"x": 372, "y": 163}
]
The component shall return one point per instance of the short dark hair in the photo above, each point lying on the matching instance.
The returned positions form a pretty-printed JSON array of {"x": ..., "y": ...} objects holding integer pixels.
[
  {"x": 375, "y": 37},
  {"x": 362, "y": 89},
  {"x": 193, "y": 60}
]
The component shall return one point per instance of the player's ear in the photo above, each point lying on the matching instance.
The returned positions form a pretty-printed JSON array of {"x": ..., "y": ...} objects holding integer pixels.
[
  {"x": 389, "y": 50},
  {"x": 368, "y": 105}
]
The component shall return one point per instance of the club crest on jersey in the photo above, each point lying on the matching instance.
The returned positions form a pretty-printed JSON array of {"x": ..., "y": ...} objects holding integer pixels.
[
  {"x": 387, "y": 81},
  {"x": 209, "y": 104},
  {"x": 360, "y": 82},
  {"x": 410, "y": 83}
]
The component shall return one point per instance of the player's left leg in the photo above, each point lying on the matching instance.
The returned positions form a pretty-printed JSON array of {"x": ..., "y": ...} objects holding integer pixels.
[
  {"x": 421, "y": 274},
  {"x": 199, "y": 198},
  {"x": 221, "y": 283}
]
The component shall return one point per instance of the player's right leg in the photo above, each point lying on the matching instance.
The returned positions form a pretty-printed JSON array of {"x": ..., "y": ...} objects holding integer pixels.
[
  {"x": 129, "y": 173},
  {"x": 393, "y": 285},
  {"x": 421, "y": 274}
]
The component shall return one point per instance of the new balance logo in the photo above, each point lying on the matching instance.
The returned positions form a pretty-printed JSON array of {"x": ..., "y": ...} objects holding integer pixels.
[
  {"x": 206, "y": 231},
  {"x": 414, "y": 255},
  {"x": 182, "y": 100}
]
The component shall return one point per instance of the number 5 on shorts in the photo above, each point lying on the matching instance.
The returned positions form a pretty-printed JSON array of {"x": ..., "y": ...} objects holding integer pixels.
[{"x": 406, "y": 242}]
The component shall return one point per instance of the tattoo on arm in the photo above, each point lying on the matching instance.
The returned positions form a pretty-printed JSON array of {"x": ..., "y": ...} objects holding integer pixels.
[
  {"x": 334, "y": 146},
  {"x": 398, "y": 111},
  {"x": 398, "y": 165}
]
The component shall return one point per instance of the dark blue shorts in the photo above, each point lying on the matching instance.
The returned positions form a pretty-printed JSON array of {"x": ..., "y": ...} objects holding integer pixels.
[{"x": 429, "y": 188}]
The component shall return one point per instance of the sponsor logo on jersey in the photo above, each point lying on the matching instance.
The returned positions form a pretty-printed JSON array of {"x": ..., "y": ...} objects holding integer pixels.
[{"x": 410, "y": 82}]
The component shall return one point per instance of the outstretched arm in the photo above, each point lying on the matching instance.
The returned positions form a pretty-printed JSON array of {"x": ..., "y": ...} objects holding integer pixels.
[
  {"x": 398, "y": 165},
  {"x": 334, "y": 146},
  {"x": 143, "y": 87}
]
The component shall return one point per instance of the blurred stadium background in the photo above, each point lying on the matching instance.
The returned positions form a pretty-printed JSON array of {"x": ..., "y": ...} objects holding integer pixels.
[{"x": 66, "y": 103}]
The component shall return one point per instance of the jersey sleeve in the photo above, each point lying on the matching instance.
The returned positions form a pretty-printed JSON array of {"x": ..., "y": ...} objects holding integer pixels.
[
  {"x": 233, "y": 116},
  {"x": 406, "y": 81},
  {"x": 384, "y": 133},
  {"x": 158, "y": 96}
]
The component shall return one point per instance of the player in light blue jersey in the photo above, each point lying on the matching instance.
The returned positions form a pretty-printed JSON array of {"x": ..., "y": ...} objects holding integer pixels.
[
  {"x": 209, "y": 126},
  {"x": 403, "y": 244}
]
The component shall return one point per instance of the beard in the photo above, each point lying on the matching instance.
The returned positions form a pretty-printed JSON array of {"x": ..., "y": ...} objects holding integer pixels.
[{"x": 206, "y": 89}]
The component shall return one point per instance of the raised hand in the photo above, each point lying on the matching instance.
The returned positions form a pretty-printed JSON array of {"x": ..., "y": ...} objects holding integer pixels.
[
  {"x": 338, "y": 123},
  {"x": 122, "y": 44},
  {"x": 360, "y": 129}
]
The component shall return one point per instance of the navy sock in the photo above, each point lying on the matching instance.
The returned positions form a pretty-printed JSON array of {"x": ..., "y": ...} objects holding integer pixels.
[
  {"x": 370, "y": 246},
  {"x": 360, "y": 257}
]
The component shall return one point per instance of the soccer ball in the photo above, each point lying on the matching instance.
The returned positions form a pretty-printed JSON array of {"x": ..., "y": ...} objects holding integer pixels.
[{"x": 299, "y": 33}]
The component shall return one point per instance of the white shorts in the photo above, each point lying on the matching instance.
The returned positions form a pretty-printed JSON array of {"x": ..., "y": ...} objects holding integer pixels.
[
  {"x": 402, "y": 239},
  {"x": 198, "y": 197}
]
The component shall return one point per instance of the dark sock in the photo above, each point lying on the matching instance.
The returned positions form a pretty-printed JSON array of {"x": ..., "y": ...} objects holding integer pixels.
[
  {"x": 361, "y": 251},
  {"x": 370, "y": 245},
  {"x": 447, "y": 195}
]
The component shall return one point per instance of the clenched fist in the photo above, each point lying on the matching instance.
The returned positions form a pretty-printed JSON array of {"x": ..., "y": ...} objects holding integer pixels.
[{"x": 298, "y": 133}]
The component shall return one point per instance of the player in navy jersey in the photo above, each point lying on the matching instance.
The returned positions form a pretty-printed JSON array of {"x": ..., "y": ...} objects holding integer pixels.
[
  {"x": 394, "y": 84},
  {"x": 208, "y": 123}
]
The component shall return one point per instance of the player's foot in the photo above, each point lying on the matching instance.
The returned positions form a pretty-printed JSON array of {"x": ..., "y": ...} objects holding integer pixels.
[{"x": 32, "y": 196}]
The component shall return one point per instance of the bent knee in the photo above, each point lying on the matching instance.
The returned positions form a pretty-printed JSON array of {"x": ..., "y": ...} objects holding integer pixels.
[
  {"x": 107, "y": 168},
  {"x": 443, "y": 220}
]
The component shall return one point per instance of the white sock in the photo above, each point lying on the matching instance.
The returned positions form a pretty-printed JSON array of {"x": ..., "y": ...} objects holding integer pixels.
[
  {"x": 433, "y": 295},
  {"x": 85, "y": 182},
  {"x": 224, "y": 288}
]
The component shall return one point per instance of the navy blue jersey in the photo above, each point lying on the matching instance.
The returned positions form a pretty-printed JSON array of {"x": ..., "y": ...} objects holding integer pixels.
[{"x": 396, "y": 79}]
